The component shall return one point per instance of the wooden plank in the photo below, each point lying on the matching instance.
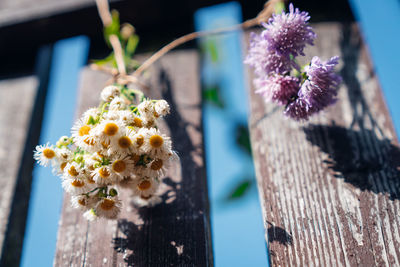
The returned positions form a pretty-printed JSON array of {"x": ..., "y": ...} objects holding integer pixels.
[
  {"x": 16, "y": 102},
  {"x": 176, "y": 232},
  {"x": 330, "y": 188},
  {"x": 16, "y": 11}
]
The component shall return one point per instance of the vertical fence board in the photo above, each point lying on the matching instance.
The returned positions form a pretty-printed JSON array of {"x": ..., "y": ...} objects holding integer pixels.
[
  {"x": 173, "y": 233},
  {"x": 330, "y": 187},
  {"x": 16, "y": 102}
]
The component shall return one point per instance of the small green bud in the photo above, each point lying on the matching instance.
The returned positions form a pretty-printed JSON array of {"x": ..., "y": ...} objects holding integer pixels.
[
  {"x": 113, "y": 192},
  {"x": 78, "y": 158},
  {"x": 102, "y": 193},
  {"x": 91, "y": 121}
]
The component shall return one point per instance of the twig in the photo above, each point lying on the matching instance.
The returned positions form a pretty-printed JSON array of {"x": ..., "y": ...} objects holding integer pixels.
[
  {"x": 121, "y": 76},
  {"x": 104, "y": 12},
  {"x": 106, "y": 18},
  {"x": 118, "y": 53},
  {"x": 269, "y": 8}
]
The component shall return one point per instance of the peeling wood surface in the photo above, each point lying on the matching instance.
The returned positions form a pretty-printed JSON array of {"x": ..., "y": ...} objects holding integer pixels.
[
  {"x": 173, "y": 233},
  {"x": 16, "y": 101},
  {"x": 330, "y": 188}
]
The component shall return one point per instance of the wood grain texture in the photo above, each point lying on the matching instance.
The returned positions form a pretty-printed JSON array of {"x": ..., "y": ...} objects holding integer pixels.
[
  {"x": 16, "y": 101},
  {"x": 330, "y": 187},
  {"x": 173, "y": 233}
]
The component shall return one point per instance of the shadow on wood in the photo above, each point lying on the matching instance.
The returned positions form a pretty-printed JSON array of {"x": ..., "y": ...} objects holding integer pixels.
[
  {"x": 170, "y": 241},
  {"x": 359, "y": 157},
  {"x": 280, "y": 235}
]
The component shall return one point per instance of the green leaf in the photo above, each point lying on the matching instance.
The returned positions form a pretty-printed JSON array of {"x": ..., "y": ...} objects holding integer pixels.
[
  {"x": 113, "y": 28},
  {"x": 240, "y": 189},
  {"x": 279, "y": 7},
  {"x": 109, "y": 60},
  {"x": 213, "y": 96},
  {"x": 211, "y": 46},
  {"x": 131, "y": 45},
  {"x": 243, "y": 138}
]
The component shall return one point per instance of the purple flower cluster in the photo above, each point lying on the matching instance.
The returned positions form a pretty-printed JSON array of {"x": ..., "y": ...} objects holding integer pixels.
[{"x": 272, "y": 54}]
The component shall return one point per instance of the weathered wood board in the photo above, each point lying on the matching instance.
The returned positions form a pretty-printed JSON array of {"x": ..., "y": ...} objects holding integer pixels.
[
  {"x": 173, "y": 233},
  {"x": 17, "y": 97},
  {"x": 330, "y": 187},
  {"x": 17, "y": 11}
]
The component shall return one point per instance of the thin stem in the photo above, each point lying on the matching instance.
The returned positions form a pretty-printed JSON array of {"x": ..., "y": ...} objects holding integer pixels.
[
  {"x": 104, "y": 12},
  {"x": 263, "y": 16},
  {"x": 118, "y": 54}
]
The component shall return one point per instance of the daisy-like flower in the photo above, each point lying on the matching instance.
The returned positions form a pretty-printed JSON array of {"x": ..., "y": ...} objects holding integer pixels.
[
  {"x": 157, "y": 145},
  {"x": 122, "y": 145},
  {"x": 126, "y": 116},
  {"x": 145, "y": 187},
  {"x": 122, "y": 167},
  {"x": 83, "y": 202},
  {"x": 83, "y": 136},
  {"x": 72, "y": 170},
  {"x": 63, "y": 154},
  {"x": 161, "y": 108},
  {"x": 138, "y": 140},
  {"x": 137, "y": 122},
  {"x": 289, "y": 33},
  {"x": 277, "y": 88},
  {"x": 90, "y": 215},
  {"x": 92, "y": 112},
  {"x": 108, "y": 207},
  {"x": 146, "y": 109},
  {"x": 108, "y": 130},
  {"x": 59, "y": 167},
  {"x": 156, "y": 168},
  {"x": 127, "y": 182},
  {"x": 76, "y": 186},
  {"x": 45, "y": 154},
  {"x": 109, "y": 92},
  {"x": 117, "y": 103},
  {"x": 103, "y": 175}
]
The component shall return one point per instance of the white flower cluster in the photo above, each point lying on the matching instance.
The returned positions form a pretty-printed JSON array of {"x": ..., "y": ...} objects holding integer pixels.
[{"x": 117, "y": 145}]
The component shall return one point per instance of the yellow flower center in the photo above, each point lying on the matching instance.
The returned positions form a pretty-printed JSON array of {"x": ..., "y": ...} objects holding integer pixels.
[
  {"x": 124, "y": 142},
  {"x": 144, "y": 185},
  {"x": 62, "y": 166},
  {"x": 156, "y": 141},
  {"x": 77, "y": 183},
  {"x": 90, "y": 180},
  {"x": 157, "y": 164},
  {"x": 72, "y": 171},
  {"x": 105, "y": 145},
  {"x": 49, "y": 153},
  {"x": 119, "y": 166},
  {"x": 137, "y": 122},
  {"x": 110, "y": 129},
  {"x": 104, "y": 173},
  {"x": 82, "y": 202},
  {"x": 89, "y": 141},
  {"x": 139, "y": 140},
  {"x": 84, "y": 130},
  {"x": 107, "y": 204}
]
